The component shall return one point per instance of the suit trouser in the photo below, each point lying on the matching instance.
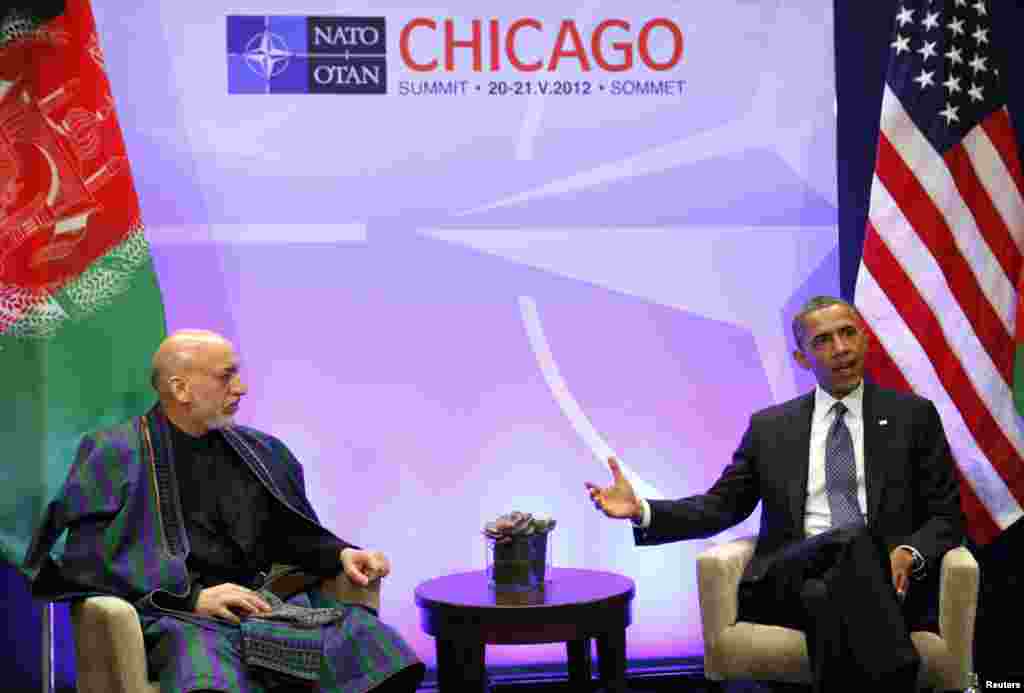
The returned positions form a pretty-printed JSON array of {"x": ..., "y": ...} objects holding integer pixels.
[{"x": 837, "y": 588}]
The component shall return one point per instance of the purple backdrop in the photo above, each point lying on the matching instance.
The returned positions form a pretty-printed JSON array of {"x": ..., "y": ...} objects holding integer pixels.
[{"x": 385, "y": 264}]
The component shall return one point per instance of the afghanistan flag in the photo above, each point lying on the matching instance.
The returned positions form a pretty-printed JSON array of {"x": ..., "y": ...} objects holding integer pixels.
[{"x": 80, "y": 308}]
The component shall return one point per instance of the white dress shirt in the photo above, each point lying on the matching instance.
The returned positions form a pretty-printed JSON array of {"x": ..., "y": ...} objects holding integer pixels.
[{"x": 817, "y": 515}]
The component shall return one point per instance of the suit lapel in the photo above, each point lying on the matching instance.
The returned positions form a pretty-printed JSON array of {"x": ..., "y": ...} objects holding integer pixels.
[
  {"x": 874, "y": 467},
  {"x": 797, "y": 428}
]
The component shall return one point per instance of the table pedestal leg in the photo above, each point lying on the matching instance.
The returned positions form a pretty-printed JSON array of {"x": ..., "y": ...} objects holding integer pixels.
[
  {"x": 460, "y": 667},
  {"x": 579, "y": 664},
  {"x": 611, "y": 660}
]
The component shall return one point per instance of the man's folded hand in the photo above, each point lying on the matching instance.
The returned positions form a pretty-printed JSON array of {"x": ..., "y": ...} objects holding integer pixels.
[
  {"x": 902, "y": 560},
  {"x": 362, "y": 567},
  {"x": 228, "y": 601}
]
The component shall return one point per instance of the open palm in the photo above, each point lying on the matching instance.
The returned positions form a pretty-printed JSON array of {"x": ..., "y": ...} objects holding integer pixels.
[{"x": 618, "y": 500}]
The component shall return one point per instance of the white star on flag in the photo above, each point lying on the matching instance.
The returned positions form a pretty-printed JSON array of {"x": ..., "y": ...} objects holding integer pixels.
[
  {"x": 927, "y": 50},
  {"x": 925, "y": 79}
]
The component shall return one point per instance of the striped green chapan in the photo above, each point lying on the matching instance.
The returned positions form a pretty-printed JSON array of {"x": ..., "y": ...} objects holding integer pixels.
[{"x": 359, "y": 652}]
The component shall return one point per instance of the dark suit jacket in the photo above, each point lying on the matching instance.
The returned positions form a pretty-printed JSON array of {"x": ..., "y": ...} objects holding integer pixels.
[{"x": 913, "y": 495}]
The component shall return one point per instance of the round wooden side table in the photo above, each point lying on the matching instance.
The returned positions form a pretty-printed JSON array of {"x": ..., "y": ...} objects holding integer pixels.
[{"x": 464, "y": 613}]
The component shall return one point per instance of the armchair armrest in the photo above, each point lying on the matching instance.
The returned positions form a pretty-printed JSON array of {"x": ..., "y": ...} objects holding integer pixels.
[
  {"x": 958, "y": 604},
  {"x": 109, "y": 652},
  {"x": 344, "y": 590},
  {"x": 287, "y": 581},
  {"x": 719, "y": 569}
]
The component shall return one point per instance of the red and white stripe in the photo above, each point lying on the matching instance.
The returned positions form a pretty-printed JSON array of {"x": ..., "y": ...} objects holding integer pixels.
[{"x": 937, "y": 286}]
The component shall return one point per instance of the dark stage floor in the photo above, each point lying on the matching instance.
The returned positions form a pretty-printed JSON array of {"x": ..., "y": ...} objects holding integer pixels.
[{"x": 676, "y": 675}]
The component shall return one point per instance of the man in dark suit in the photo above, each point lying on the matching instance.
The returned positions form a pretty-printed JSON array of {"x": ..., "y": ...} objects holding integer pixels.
[{"x": 859, "y": 504}]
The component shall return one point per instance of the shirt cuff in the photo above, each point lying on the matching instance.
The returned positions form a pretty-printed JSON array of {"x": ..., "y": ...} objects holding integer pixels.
[
  {"x": 645, "y": 517},
  {"x": 917, "y": 563}
]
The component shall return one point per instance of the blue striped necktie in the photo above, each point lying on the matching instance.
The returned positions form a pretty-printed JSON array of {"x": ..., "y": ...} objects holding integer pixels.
[{"x": 841, "y": 473}]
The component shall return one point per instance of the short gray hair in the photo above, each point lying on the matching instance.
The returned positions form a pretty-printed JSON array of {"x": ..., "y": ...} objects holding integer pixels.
[{"x": 815, "y": 304}]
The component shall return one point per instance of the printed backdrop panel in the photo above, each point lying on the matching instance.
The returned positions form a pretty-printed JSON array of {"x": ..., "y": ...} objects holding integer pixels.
[{"x": 467, "y": 252}]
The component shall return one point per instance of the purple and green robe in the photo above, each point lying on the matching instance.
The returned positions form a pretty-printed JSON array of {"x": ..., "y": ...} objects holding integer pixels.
[{"x": 126, "y": 537}]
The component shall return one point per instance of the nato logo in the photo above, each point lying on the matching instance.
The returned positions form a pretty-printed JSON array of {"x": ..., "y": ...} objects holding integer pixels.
[{"x": 306, "y": 55}]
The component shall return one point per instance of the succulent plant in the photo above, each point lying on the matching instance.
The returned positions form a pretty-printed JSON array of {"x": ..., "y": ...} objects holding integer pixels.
[{"x": 517, "y": 524}]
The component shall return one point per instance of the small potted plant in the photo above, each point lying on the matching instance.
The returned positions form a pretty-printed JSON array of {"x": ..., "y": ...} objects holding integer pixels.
[{"x": 517, "y": 546}]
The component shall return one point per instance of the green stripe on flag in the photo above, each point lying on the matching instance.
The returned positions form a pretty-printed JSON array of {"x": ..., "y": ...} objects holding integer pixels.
[
  {"x": 1018, "y": 376},
  {"x": 80, "y": 309},
  {"x": 74, "y": 364}
]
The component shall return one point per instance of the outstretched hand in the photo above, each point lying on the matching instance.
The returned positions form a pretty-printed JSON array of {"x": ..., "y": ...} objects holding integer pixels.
[
  {"x": 618, "y": 500},
  {"x": 363, "y": 567}
]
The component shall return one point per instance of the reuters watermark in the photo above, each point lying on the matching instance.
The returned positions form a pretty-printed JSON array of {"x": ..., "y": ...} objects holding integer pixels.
[{"x": 987, "y": 684}]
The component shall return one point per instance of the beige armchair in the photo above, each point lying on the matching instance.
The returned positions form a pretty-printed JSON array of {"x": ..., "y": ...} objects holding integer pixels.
[
  {"x": 740, "y": 650},
  {"x": 109, "y": 652}
]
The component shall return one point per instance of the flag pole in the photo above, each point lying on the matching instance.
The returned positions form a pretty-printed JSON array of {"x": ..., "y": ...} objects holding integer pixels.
[{"x": 47, "y": 642}]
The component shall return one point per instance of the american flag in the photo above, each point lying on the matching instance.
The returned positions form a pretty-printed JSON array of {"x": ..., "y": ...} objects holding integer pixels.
[{"x": 939, "y": 276}]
